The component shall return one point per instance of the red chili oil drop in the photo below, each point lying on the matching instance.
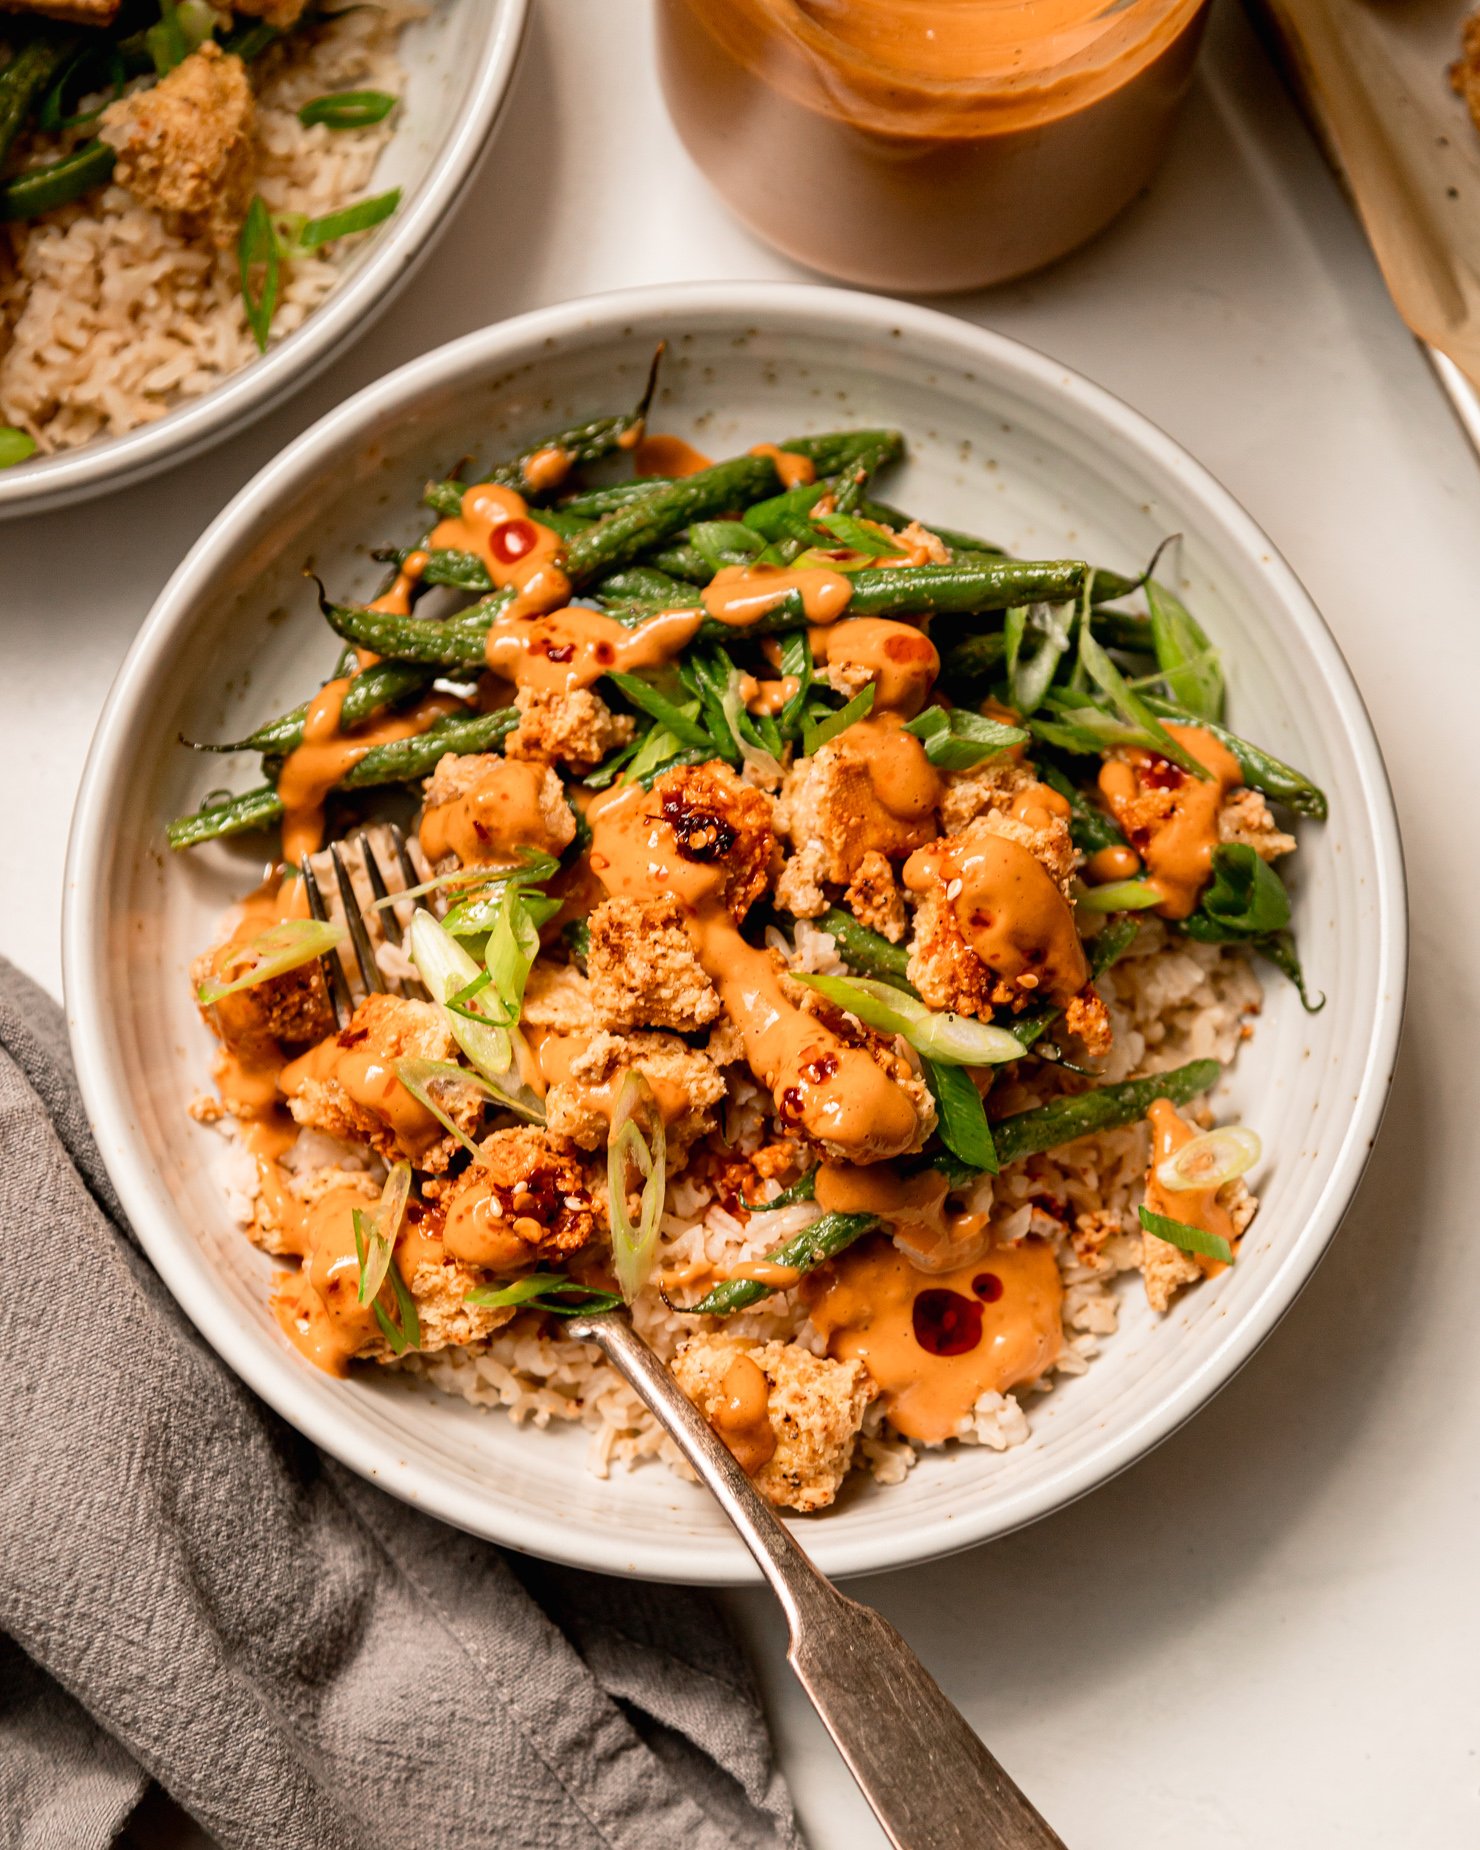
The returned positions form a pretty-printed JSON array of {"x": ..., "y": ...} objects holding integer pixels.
[
  {"x": 987, "y": 1286},
  {"x": 945, "y": 1322},
  {"x": 1162, "y": 774},
  {"x": 512, "y": 540}
]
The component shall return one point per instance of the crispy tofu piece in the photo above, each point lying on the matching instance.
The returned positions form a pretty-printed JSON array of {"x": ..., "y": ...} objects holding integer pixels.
[
  {"x": 557, "y": 997},
  {"x": 346, "y": 1087},
  {"x": 482, "y": 809},
  {"x": 830, "y": 810},
  {"x": 325, "y": 1287},
  {"x": 256, "y": 1024},
  {"x": 996, "y": 785},
  {"x": 188, "y": 145},
  {"x": 528, "y": 1199},
  {"x": 273, "y": 1225},
  {"x": 576, "y": 728},
  {"x": 1245, "y": 818},
  {"x": 715, "y": 817},
  {"x": 874, "y": 897},
  {"x": 1165, "y": 1268},
  {"x": 645, "y": 972},
  {"x": 948, "y": 972},
  {"x": 445, "y": 1317},
  {"x": 1464, "y": 73},
  {"x": 799, "y": 888},
  {"x": 688, "y": 1085},
  {"x": 881, "y": 1049},
  {"x": 814, "y": 1408}
]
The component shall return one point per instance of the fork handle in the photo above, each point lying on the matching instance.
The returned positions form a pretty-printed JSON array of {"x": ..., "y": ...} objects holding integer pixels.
[{"x": 931, "y": 1782}]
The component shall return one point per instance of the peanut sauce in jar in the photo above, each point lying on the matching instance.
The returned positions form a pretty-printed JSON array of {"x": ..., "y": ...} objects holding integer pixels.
[{"x": 927, "y": 145}]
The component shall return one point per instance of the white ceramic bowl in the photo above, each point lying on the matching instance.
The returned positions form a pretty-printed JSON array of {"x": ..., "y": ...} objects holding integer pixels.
[
  {"x": 1002, "y": 440},
  {"x": 459, "y": 60}
]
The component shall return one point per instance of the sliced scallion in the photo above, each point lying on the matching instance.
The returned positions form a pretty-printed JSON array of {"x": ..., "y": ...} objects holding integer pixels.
[
  {"x": 1119, "y": 896},
  {"x": 956, "y": 739},
  {"x": 818, "y": 732},
  {"x": 376, "y": 1229},
  {"x": 1210, "y": 1160},
  {"x": 361, "y": 216},
  {"x": 638, "y": 1140},
  {"x": 550, "y": 1291},
  {"x": 259, "y": 262},
  {"x": 952, "y": 1040},
  {"x": 274, "y": 952},
  {"x": 1190, "y": 1239},
  {"x": 348, "y": 109},
  {"x": 15, "y": 446}
]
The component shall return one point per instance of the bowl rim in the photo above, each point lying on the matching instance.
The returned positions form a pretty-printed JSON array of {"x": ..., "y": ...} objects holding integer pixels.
[
  {"x": 263, "y": 384},
  {"x": 274, "y": 1376}
]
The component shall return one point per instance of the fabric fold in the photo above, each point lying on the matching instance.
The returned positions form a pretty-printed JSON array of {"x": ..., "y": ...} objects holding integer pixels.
[{"x": 191, "y": 1594}]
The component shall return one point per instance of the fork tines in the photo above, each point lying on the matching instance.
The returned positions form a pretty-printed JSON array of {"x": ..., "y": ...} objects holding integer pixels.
[{"x": 362, "y": 942}]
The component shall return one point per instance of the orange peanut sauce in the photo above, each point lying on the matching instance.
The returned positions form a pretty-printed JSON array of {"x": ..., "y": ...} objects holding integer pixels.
[
  {"x": 317, "y": 1307},
  {"x": 366, "y": 1074},
  {"x": 547, "y": 467},
  {"x": 1113, "y": 863},
  {"x": 742, "y": 1416},
  {"x": 661, "y": 454},
  {"x": 1194, "y": 1207},
  {"x": 1009, "y": 910},
  {"x": 935, "y": 1344},
  {"x": 518, "y": 553},
  {"x": 795, "y": 471},
  {"x": 1177, "y": 847},
  {"x": 742, "y": 594},
  {"x": 818, "y": 1083},
  {"x": 499, "y": 814}
]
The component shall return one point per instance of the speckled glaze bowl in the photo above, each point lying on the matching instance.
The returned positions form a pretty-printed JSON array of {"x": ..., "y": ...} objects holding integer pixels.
[
  {"x": 459, "y": 62},
  {"x": 1002, "y": 441}
]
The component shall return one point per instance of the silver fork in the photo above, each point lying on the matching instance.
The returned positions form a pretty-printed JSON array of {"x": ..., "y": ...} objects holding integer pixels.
[
  {"x": 341, "y": 998},
  {"x": 931, "y": 1781}
]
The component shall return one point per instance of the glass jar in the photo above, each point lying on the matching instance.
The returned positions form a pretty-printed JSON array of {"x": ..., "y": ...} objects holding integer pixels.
[{"x": 926, "y": 145}]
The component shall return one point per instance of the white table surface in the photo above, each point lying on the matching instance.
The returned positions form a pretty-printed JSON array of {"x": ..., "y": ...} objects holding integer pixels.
[{"x": 1267, "y": 1633}]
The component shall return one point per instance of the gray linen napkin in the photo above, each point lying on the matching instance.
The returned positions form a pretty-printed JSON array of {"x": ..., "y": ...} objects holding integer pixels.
[{"x": 190, "y": 1593}]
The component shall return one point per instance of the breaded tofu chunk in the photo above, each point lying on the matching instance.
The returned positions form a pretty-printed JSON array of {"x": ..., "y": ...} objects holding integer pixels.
[
  {"x": 528, "y": 1198},
  {"x": 276, "y": 1217},
  {"x": 874, "y": 897},
  {"x": 1165, "y": 1268},
  {"x": 688, "y": 1085},
  {"x": 882, "y": 1049},
  {"x": 998, "y": 784},
  {"x": 557, "y": 997},
  {"x": 347, "y": 1088},
  {"x": 1245, "y": 818},
  {"x": 482, "y": 809},
  {"x": 575, "y": 728},
  {"x": 794, "y": 1427},
  {"x": 188, "y": 144},
  {"x": 835, "y": 817},
  {"x": 287, "y": 1011},
  {"x": 718, "y": 819},
  {"x": 644, "y": 970},
  {"x": 320, "y": 1301},
  {"x": 947, "y": 970}
]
